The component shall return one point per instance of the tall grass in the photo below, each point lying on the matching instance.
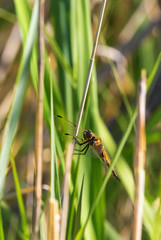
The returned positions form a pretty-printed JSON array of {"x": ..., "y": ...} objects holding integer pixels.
[{"x": 99, "y": 206}]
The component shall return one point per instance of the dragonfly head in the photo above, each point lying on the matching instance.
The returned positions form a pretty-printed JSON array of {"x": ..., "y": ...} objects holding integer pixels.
[{"x": 87, "y": 134}]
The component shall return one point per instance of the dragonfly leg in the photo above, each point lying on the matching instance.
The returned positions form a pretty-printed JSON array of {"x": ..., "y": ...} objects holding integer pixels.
[
  {"x": 81, "y": 150},
  {"x": 85, "y": 149},
  {"x": 80, "y": 144}
]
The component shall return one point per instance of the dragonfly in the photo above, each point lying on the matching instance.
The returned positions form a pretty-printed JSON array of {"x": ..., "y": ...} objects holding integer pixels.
[{"x": 89, "y": 139}]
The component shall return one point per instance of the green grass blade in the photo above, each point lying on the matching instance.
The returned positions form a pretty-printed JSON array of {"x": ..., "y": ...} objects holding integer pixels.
[
  {"x": 110, "y": 232},
  {"x": 156, "y": 68},
  {"x": 153, "y": 137},
  {"x": 20, "y": 201},
  {"x": 54, "y": 169},
  {"x": 154, "y": 119},
  {"x": 23, "y": 14},
  {"x": 73, "y": 200},
  {"x": 53, "y": 149},
  {"x": 60, "y": 10},
  {"x": 11, "y": 222},
  {"x": 1, "y": 226},
  {"x": 7, "y": 16},
  {"x": 60, "y": 153},
  {"x": 148, "y": 217},
  {"x": 64, "y": 63},
  {"x": 43, "y": 230},
  {"x": 17, "y": 98},
  {"x": 76, "y": 222}
]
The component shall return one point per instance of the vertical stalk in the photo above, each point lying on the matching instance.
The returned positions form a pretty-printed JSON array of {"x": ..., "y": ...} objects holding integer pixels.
[
  {"x": 90, "y": 67},
  {"x": 53, "y": 220},
  {"x": 39, "y": 124},
  {"x": 139, "y": 159}
]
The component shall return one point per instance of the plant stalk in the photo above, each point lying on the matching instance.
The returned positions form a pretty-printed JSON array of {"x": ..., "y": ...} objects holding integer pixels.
[
  {"x": 39, "y": 125},
  {"x": 139, "y": 159}
]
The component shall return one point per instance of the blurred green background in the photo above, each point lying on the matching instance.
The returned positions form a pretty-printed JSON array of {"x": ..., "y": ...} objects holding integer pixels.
[{"x": 129, "y": 41}]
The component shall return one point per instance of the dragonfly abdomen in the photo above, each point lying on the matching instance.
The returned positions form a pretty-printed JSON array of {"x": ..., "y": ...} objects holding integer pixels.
[
  {"x": 106, "y": 158},
  {"x": 108, "y": 163}
]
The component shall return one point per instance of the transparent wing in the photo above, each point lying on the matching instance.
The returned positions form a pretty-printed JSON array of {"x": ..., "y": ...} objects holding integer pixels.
[{"x": 67, "y": 128}]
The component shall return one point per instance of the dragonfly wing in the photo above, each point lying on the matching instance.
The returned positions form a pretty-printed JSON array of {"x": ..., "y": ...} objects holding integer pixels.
[{"x": 66, "y": 128}]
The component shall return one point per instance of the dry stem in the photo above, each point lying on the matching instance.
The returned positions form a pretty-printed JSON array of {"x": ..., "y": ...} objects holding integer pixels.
[
  {"x": 39, "y": 125},
  {"x": 54, "y": 220},
  {"x": 139, "y": 161}
]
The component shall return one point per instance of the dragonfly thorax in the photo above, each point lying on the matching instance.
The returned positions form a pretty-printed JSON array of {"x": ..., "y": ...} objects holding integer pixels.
[{"x": 87, "y": 134}]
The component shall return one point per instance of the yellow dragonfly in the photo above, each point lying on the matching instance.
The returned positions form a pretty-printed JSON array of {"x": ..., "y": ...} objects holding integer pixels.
[{"x": 89, "y": 139}]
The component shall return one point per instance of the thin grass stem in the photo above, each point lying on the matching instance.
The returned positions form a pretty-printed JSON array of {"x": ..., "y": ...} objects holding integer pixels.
[
  {"x": 20, "y": 200},
  {"x": 53, "y": 150},
  {"x": 90, "y": 67}
]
